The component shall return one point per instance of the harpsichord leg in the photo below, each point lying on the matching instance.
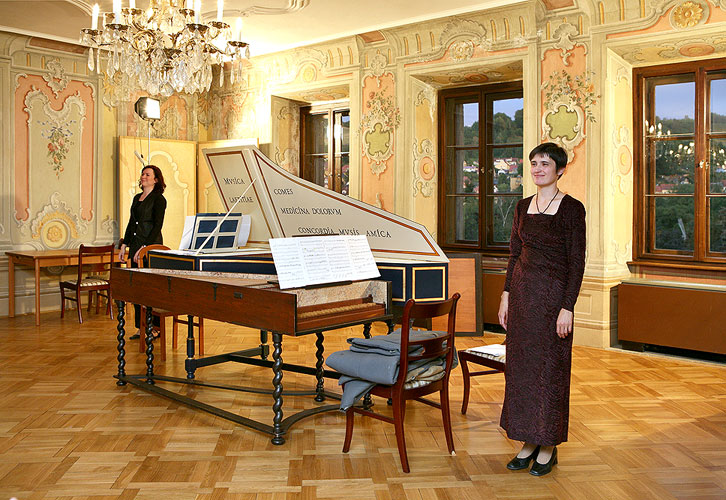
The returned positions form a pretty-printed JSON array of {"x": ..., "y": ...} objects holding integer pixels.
[
  {"x": 277, "y": 392},
  {"x": 121, "y": 305},
  {"x": 320, "y": 386},
  {"x": 149, "y": 346},
  {"x": 190, "y": 347}
]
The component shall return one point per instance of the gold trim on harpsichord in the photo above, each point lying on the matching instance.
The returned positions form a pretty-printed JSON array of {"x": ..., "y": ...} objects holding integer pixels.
[
  {"x": 328, "y": 195},
  {"x": 203, "y": 262},
  {"x": 443, "y": 283},
  {"x": 403, "y": 280}
]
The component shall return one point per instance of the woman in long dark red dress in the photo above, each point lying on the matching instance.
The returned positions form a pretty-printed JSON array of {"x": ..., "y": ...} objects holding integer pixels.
[{"x": 546, "y": 264}]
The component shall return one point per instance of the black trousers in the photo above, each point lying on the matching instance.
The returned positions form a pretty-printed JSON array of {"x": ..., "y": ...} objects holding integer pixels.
[{"x": 137, "y": 307}]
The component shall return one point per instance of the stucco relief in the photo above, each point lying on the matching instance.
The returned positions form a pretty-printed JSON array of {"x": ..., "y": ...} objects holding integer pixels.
[
  {"x": 424, "y": 168},
  {"x": 427, "y": 94},
  {"x": 56, "y": 77},
  {"x": 689, "y": 14},
  {"x": 288, "y": 139},
  {"x": 622, "y": 257},
  {"x": 622, "y": 158},
  {"x": 109, "y": 225},
  {"x": 460, "y": 37},
  {"x": 563, "y": 34},
  {"x": 569, "y": 103},
  {"x": 54, "y": 226}
]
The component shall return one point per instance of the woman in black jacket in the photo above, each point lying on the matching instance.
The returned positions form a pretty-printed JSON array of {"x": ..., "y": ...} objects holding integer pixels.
[{"x": 147, "y": 217}]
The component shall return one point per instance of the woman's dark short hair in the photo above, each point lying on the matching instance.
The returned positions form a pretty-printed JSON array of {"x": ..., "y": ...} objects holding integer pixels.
[
  {"x": 160, "y": 185},
  {"x": 554, "y": 151}
]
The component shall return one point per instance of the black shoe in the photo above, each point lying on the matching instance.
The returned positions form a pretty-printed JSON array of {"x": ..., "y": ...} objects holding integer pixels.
[
  {"x": 539, "y": 469},
  {"x": 522, "y": 463},
  {"x": 134, "y": 336}
]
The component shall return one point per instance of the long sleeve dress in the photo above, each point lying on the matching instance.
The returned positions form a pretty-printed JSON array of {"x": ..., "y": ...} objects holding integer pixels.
[{"x": 546, "y": 265}]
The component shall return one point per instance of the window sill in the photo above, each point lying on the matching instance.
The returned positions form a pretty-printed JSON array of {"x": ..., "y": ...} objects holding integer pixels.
[{"x": 685, "y": 266}]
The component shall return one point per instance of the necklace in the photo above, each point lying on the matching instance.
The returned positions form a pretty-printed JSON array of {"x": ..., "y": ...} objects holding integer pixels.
[{"x": 536, "y": 202}]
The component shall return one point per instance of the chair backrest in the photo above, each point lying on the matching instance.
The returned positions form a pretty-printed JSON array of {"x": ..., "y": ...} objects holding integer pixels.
[
  {"x": 97, "y": 260},
  {"x": 430, "y": 348},
  {"x": 147, "y": 249}
]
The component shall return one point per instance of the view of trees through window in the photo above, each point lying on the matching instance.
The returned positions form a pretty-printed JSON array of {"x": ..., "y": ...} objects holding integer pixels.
[
  {"x": 482, "y": 165},
  {"x": 684, "y": 165}
]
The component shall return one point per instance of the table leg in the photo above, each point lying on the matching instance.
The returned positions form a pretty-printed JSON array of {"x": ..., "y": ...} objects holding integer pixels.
[
  {"x": 37, "y": 292},
  {"x": 277, "y": 392},
  {"x": 190, "y": 344},
  {"x": 319, "y": 387},
  {"x": 149, "y": 346},
  {"x": 121, "y": 341},
  {"x": 11, "y": 287}
]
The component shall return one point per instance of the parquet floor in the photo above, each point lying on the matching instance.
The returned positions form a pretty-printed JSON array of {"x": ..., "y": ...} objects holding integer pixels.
[{"x": 642, "y": 427}]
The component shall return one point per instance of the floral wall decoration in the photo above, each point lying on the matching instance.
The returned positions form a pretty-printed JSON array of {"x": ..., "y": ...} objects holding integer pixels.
[
  {"x": 377, "y": 125},
  {"x": 59, "y": 136},
  {"x": 569, "y": 104}
]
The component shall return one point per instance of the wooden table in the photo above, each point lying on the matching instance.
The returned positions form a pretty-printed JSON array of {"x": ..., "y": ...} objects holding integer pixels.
[{"x": 38, "y": 259}]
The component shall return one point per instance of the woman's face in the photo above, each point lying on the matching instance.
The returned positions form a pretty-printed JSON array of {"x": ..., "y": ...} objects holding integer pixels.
[
  {"x": 544, "y": 170},
  {"x": 148, "y": 179}
]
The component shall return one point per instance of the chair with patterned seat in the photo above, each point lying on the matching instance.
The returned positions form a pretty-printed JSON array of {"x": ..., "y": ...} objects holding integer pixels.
[
  {"x": 433, "y": 353},
  {"x": 493, "y": 356},
  {"x": 98, "y": 261},
  {"x": 163, "y": 314}
]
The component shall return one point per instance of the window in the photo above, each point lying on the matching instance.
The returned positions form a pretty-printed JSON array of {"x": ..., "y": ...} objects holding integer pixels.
[
  {"x": 481, "y": 158},
  {"x": 325, "y": 150},
  {"x": 680, "y": 201}
]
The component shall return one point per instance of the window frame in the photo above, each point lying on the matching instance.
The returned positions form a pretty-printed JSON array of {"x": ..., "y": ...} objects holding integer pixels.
[
  {"x": 333, "y": 155},
  {"x": 485, "y": 95},
  {"x": 644, "y": 251}
]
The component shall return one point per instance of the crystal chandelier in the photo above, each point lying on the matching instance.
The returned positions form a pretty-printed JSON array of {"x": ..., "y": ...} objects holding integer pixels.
[{"x": 165, "y": 48}]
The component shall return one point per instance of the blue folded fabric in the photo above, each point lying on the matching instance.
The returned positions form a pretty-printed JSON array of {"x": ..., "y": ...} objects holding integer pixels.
[{"x": 375, "y": 361}]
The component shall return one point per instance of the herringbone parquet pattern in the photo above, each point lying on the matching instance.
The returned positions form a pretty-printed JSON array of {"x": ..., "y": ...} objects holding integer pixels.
[{"x": 642, "y": 427}]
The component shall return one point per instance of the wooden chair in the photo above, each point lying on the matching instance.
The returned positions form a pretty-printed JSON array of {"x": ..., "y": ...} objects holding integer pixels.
[
  {"x": 494, "y": 362},
  {"x": 401, "y": 390},
  {"x": 101, "y": 260},
  {"x": 162, "y": 315}
]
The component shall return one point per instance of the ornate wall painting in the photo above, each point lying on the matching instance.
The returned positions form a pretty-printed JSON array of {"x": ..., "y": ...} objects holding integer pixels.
[
  {"x": 568, "y": 105},
  {"x": 424, "y": 153},
  {"x": 379, "y": 120},
  {"x": 564, "y": 34},
  {"x": 54, "y": 121},
  {"x": 286, "y": 134},
  {"x": 689, "y": 14},
  {"x": 177, "y": 161}
]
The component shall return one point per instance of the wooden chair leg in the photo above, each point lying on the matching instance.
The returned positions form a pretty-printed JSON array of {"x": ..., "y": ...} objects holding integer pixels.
[
  {"x": 162, "y": 337},
  {"x": 63, "y": 301},
  {"x": 349, "y": 416},
  {"x": 174, "y": 331},
  {"x": 201, "y": 336},
  {"x": 467, "y": 384},
  {"x": 446, "y": 415},
  {"x": 399, "y": 413},
  {"x": 78, "y": 305}
]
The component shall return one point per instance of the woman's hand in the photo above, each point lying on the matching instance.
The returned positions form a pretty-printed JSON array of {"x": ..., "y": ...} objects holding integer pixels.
[
  {"x": 564, "y": 323},
  {"x": 504, "y": 309},
  {"x": 136, "y": 255},
  {"x": 122, "y": 253}
]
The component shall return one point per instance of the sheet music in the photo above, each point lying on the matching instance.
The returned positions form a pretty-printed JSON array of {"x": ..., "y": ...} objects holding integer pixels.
[{"x": 322, "y": 259}]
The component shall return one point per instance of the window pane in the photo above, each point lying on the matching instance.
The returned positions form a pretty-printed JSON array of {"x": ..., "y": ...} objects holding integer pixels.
[
  {"x": 674, "y": 223},
  {"x": 507, "y": 170},
  {"x": 462, "y": 122},
  {"x": 342, "y": 170},
  {"x": 674, "y": 108},
  {"x": 718, "y": 105},
  {"x": 466, "y": 222},
  {"x": 502, "y": 216},
  {"x": 318, "y": 165},
  {"x": 318, "y": 138},
  {"x": 717, "y": 160},
  {"x": 462, "y": 171},
  {"x": 674, "y": 166},
  {"x": 508, "y": 124},
  {"x": 341, "y": 131},
  {"x": 717, "y": 223}
]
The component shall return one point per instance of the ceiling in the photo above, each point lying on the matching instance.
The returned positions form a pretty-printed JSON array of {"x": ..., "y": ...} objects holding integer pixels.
[{"x": 269, "y": 25}]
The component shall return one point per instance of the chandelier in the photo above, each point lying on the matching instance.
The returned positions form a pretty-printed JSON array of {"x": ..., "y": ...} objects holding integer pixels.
[{"x": 165, "y": 48}]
